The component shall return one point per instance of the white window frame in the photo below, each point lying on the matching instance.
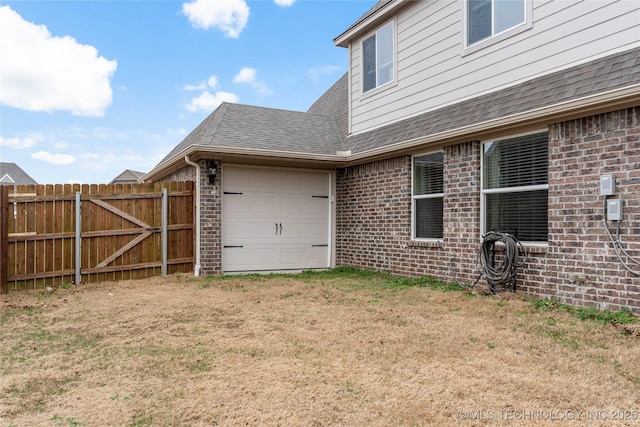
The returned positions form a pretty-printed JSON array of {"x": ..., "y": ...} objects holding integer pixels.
[
  {"x": 496, "y": 37},
  {"x": 378, "y": 86},
  {"x": 415, "y": 197},
  {"x": 484, "y": 192}
]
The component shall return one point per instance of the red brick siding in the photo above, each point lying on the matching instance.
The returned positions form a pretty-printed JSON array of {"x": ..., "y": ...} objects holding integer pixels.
[
  {"x": 374, "y": 216},
  {"x": 580, "y": 151},
  {"x": 461, "y": 206},
  {"x": 211, "y": 221},
  {"x": 373, "y": 222}
]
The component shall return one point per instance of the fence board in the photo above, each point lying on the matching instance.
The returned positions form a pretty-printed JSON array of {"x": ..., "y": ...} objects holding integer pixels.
[
  {"x": 4, "y": 238},
  {"x": 121, "y": 232}
]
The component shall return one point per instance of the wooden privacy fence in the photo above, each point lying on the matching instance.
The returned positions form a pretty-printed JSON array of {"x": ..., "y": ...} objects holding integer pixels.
[{"x": 60, "y": 234}]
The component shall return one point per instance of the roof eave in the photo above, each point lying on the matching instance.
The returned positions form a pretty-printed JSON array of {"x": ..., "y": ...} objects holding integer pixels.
[
  {"x": 196, "y": 152},
  {"x": 369, "y": 22}
]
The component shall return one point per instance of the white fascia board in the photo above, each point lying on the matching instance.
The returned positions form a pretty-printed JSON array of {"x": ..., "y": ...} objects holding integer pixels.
[{"x": 171, "y": 163}]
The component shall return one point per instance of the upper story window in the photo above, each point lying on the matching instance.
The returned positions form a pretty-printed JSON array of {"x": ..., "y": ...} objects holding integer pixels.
[
  {"x": 515, "y": 186},
  {"x": 487, "y": 18},
  {"x": 378, "y": 58},
  {"x": 427, "y": 196}
]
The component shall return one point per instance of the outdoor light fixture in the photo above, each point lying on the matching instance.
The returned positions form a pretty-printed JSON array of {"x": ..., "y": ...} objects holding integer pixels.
[{"x": 211, "y": 171}]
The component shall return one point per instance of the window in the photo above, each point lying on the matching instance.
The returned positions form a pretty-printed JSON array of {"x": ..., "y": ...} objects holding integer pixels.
[
  {"x": 486, "y": 18},
  {"x": 427, "y": 196},
  {"x": 378, "y": 58},
  {"x": 515, "y": 186}
]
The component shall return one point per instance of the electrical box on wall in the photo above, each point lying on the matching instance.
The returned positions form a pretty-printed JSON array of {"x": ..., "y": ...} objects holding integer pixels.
[
  {"x": 614, "y": 210},
  {"x": 607, "y": 185}
]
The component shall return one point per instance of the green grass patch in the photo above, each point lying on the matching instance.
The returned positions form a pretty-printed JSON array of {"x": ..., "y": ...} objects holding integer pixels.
[
  {"x": 603, "y": 317},
  {"x": 342, "y": 278},
  {"x": 68, "y": 421}
]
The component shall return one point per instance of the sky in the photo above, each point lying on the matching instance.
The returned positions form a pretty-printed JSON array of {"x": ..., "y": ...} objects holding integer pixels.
[{"x": 90, "y": 88}]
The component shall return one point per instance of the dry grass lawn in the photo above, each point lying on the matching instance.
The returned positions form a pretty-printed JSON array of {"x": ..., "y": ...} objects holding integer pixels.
[{"x": 329, "y": 349}]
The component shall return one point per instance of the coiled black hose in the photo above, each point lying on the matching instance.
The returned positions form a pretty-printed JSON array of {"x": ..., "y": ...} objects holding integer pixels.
[{"x": 502, "y": 272}]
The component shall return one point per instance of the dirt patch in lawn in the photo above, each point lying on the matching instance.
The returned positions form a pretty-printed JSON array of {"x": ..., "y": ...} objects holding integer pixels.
[{"x": 310, "y": 350}]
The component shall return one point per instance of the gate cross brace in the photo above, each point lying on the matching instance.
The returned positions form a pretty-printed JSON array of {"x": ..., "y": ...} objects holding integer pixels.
[{"x": 144, "y": 233}]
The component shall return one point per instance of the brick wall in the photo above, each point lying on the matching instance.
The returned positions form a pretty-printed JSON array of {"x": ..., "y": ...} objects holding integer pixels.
[
  {"x": 580, "y": 151},
  {"x": 373, "y": 225},
  {"x": 461, "y": 209},
  {"x": 374, "y": 216},
  {"x": 211, "y": 221}
]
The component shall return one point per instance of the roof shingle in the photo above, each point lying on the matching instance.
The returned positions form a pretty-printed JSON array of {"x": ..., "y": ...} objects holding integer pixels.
[{"x": 245, "y": 126}]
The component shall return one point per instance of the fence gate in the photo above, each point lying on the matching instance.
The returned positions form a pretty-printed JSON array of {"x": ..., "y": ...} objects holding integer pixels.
[{"x": 62, "y": 234}]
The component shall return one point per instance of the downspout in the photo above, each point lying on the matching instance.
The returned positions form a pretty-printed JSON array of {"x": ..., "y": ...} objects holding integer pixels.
[{"x": 196, "y": 271}]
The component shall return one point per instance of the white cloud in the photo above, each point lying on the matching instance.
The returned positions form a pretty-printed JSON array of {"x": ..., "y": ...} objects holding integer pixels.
[
  {"x": 20, "y": 143},
  {"x": 211, "y": 81},
  {"x": 229, "y": 16},
  {"x": 56, "y": 159},
  {"x": 246, "y": 75},
  {"x": 42, "y": 72},
  {"x": 207, "y": 101},
  {"x": 284, "y": 3},
  {"x": 188, "y": 88},
  {"x": 249, "y": 76},
  {"x": 317, "y": 72},
  {"x": 61, "y": 145}
]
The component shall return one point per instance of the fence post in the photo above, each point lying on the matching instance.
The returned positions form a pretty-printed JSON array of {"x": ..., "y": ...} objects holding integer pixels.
[
  {"x": 78, "y": 239},
  {"x": 4, "y": 239},
  {"x": 165, "y": 210}
]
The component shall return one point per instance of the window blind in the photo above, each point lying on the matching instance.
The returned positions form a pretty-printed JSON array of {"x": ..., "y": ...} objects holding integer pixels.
[
  {"x": 516, "y": 162},
  {"x": 428, "y": 174},
  {"x": 518, "y": 169}
]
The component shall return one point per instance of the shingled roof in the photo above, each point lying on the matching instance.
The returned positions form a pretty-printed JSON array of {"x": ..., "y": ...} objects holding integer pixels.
[
  {"x": 11, "y": 173},
  {"x": 128, "y": 176},
  {"x": 335, "y": 103},
  {"x": 259, "y": 128}
]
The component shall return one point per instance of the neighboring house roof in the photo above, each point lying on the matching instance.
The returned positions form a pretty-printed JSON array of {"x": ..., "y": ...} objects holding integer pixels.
[
  {"x": 11, "y": 173},
  {"x": 237, "y": 127},
  {"x": 128, "y": 176}
]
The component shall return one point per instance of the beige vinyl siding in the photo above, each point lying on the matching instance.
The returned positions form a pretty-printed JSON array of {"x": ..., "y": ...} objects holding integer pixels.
[{"x": 434, "y": 69}]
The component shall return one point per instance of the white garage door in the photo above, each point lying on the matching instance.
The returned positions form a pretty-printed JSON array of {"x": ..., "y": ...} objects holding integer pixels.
[{"x": 275, "y": 219}]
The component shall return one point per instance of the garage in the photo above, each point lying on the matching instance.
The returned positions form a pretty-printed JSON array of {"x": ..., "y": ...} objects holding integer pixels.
[{"x": 275, "y": 219}]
